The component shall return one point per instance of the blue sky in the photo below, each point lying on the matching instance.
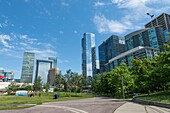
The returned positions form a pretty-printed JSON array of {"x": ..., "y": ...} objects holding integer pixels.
[{"x": 55, "y": 27}]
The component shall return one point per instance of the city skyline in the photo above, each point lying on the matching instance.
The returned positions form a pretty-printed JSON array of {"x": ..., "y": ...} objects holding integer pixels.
[{"x": 55, "y": 28}]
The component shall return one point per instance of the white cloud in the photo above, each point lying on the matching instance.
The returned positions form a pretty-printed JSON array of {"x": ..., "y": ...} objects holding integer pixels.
[
  {"x": 75, "y": 31},
  {"x": 62, "y": 61},
  {"x": 10, "y": 52},
  {"x": 23, "y": 36},
  {"x": 129, "y": 3},
  {"x": 13, "y": 35},
  {"x": 43, "y": 53},
  {"x": 47, "y": 12},
  {"x": 26, "y": 0},
  {"x": 137, "y": 9},
  {"x": 4, "y": 24},
  {"x": 4, "y": 39},
  {"x": 65, "y": 4},
  {"x": 96, "y": 4},
  {"x": 105, "y": 25},
  {"x": 61, "y": 32},
  {"x": 22, "y": 43},
  {"x": 132, "y": 15}
]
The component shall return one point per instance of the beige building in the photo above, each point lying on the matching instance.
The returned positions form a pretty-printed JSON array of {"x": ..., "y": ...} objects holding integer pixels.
[{"x": 52, "y": 73}]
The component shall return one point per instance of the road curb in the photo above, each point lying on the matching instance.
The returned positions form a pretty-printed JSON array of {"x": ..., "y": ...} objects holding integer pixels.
[{"x": 146, "y": 102}]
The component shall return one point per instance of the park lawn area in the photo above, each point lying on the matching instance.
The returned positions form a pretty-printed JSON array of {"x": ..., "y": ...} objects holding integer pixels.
[
  {"x": 163, "y": 97},
  {"x": 13, "y": 102}
]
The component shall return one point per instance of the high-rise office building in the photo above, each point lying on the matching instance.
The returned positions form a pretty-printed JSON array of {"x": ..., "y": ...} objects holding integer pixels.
[
  {"x": 42, "y": 68},
  {"x": 88, "y": 55},
  {"x": 110, "y": 48},
  {"x": 27, "y": 67},
  {"x": 163, "y": 20}
]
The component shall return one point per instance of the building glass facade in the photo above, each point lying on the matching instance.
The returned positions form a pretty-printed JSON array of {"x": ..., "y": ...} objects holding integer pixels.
[
  {"x": 27, "y": 67},
  {"x": 149, "y": 37},
  {"x": 88, "y": 56},
  {"x": 110, "y": 48},
  {"x": 153, "y": 38},
  {"x": 135, "y": 39},
  {"x": 138, "y": 52}
]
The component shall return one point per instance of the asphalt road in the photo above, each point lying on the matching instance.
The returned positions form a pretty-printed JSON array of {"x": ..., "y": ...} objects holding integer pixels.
[{"x": 92, "y": 105}]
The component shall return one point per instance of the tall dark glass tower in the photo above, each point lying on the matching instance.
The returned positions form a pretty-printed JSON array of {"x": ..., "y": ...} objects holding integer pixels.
[
  {"x": 110, "y": 48},
  {"x": 27, "y": 67},
  {"x": 88, "y": 55}
]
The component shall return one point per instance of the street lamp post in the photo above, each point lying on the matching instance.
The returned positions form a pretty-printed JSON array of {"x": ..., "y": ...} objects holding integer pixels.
[
  {"x": 123, "y": 93},
  {"x": 151, "y": 18}
]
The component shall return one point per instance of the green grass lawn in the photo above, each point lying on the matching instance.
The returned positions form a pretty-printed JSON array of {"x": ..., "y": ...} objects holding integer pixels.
[
  {"x": 163, "y": 97},
  {"x": 10, "y": 101}
]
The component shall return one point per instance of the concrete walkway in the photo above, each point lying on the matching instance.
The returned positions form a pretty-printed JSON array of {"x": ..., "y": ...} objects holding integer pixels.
[{"x": 131, "y": 107}]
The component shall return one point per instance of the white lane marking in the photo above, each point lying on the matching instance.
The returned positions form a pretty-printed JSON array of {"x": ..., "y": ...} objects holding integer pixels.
[{"x": 74, "y": 110}]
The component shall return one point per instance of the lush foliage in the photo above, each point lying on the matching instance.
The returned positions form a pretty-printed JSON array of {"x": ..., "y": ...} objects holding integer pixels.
[
  {"x": 144, "y": 76},
  {"x": 70, "y": 81},
  {"x": 37, "y": 84}
]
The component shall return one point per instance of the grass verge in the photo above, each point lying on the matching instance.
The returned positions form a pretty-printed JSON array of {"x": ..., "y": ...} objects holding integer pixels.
[
  {"x": 13, "y": 102},
  {"x": 163, "y": 97}
]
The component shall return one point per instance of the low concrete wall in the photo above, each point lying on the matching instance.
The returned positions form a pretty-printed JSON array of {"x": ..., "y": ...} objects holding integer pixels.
[{"x": 146, "y": 102}]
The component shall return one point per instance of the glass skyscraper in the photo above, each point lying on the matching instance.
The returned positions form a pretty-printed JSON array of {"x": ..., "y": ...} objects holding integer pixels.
[
  {"x": 110, "y": 48},
  {"x": 27, "y": 67},
  {"x": 88, "y": 55}
]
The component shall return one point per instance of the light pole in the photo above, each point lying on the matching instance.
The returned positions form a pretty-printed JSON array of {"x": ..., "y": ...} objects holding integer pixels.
[
  {"x": 123, "y": 93},
  {"x": 151, "y": 18}
]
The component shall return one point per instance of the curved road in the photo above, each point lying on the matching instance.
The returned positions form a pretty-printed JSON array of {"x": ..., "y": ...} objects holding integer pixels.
[{"x": 92, "y": 105}]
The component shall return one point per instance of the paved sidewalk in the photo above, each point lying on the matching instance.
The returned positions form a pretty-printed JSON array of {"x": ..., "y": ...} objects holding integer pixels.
[{"x": 131, "y": 107}]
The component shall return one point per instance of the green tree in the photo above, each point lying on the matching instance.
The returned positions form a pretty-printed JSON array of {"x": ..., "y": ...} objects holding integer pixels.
[
  {"x": 12, "y": 87},
  {"x": 163, "y": 68},
  {"x": 96, "y": 83},
  {"x": 37, "y": 84},
  {"x": 27, "y": 86},
  {"x": 67, "y": 82},
  {"x": 142, "y": 70},
  {"x": 124, "y": 78},
  {"x": 46, "y": 87},
  {"x": 59, "y": 81}
]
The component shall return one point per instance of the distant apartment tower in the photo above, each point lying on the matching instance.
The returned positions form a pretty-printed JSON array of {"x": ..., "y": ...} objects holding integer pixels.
[
  {"x": 109, "y": 49},
  {"x": 88, "y": 55},
  {"x": 27, "y": 67},
  {"x": 163, "y": 20}
]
